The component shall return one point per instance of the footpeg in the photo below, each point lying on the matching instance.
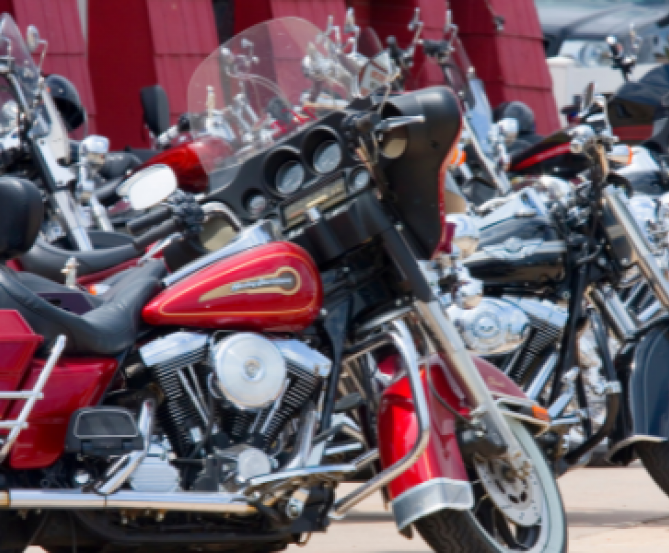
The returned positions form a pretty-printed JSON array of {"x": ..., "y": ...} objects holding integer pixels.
[{"x": 103, "y": 432}]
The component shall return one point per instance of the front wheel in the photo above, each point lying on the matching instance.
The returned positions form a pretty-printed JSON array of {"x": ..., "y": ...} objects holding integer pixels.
[{"x": 486, "y": 528}]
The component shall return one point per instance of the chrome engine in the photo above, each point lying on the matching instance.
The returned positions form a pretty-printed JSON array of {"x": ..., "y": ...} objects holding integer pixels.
[
  {"x": 524, "y": 327},
  {"x": 258, "y": 386}
]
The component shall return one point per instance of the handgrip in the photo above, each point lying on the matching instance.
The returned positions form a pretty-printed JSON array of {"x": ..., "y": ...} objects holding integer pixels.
[
  {"x": 156, "y": 216},
  {"x": 157, "y": 233}
]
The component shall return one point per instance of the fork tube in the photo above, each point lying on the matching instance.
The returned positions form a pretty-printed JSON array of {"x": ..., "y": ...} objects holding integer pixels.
[{"x": 448, "y": 341}]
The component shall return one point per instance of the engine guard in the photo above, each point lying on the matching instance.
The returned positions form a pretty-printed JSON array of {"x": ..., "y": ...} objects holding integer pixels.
[
  {"x": 438, "y": 480},
  {"x": 647, "y": 408}
]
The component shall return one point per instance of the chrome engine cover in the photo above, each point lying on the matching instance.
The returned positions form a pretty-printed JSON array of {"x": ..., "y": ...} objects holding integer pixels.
[
  {"x": 155, "y": 474},
  {"x": 494, "y": 327},
  {"x": 250, "y": 370}
]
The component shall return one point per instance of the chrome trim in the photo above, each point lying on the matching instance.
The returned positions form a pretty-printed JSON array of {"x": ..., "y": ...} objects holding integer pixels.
[
  {"x": 263, "y": 232},
  {"x": 304, "y": 441},
  {"x": 447, "y": 341},
  {"x": 429, "y": 497},
  {"x": 220, "y": 209},
  {"x": 497, "y": 252},
  {"x": 66, "y": 212},
  {"x": 20, "y": 422},
  {"x": 544, "y": 310},
  {"x": 609, "y": 304},
  {"x": 345, "y": 448},
  {"x": 650, "y": 311},
  {"x": 173, "y": 345},
  {"x": 401, "y": 338},
  {"x": 543, "y": 376},
  {"x": 642, "y": 252},
  {"x": 513, "y": 248},
  {"x": 118, "y": 473},
  {"x": 298, "y": 353},
  {"x": 124, "y": 412},
  {"x": 630, "y": 441},
  {"x": 164, "y": 501}
]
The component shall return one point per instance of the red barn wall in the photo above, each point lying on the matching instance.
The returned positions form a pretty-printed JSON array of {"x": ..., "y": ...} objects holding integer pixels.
[
  {"x": 511, "y": 62},
  {"x": 147, "y": 42}
]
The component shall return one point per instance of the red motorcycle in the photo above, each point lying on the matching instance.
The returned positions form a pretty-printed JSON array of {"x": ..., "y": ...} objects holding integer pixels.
[{"x": 221, "y": 405}]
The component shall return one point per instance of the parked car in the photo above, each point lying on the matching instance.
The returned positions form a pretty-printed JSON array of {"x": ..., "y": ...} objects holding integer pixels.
[{"x": 579, "y": 29}]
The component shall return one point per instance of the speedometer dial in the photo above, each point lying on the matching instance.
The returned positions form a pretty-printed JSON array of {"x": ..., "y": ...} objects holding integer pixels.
[
  {"x": 289, "y": 178},
  {"x": 327, "y": 157}
]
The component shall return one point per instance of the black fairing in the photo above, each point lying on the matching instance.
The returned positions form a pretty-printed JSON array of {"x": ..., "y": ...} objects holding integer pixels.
[
  {"x": 414, "y": 177},
  {"x": 21, "y": 214},
  {"x": 649, "y": 385}
]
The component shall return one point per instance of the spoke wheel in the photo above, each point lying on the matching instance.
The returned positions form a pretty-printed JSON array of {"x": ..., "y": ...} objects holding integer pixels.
[{"x": 509, "y": 513}]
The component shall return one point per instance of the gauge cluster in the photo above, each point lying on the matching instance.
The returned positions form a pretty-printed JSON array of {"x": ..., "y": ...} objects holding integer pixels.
[{"x": 314, "y": 169}]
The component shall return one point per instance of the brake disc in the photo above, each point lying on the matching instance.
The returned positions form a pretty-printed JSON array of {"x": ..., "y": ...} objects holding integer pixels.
[{"x": 519, "y": 499}]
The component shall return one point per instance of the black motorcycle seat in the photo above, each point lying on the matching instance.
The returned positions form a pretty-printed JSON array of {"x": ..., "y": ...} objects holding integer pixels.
[
  {"x": 48, "y": 261},
  {"x": 108, "y": 329}
]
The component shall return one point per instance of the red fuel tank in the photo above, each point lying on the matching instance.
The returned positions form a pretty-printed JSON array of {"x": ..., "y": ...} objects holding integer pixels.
[{"x": 274, "y": 288}]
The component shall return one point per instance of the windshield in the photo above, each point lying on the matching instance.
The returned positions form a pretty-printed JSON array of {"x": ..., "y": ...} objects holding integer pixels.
[
  {"x": 12, "y": 44},
  {"x": 264, "y": 84}
]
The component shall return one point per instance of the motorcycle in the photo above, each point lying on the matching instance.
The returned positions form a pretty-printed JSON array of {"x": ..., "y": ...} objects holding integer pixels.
[
  {"x": 203, "y": 407},
  {"x": 545, "y": 250}
]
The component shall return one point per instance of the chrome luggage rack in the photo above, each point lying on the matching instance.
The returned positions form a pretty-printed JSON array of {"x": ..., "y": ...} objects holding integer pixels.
[{"x": 30, "y": 397}]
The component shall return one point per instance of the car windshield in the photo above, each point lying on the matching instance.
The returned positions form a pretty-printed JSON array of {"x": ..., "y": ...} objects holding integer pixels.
[{"x": 269, "y": 82}]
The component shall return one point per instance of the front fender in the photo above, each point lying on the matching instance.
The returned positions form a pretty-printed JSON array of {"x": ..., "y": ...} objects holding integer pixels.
[
  {"x": 439, "y": 479},
  {"x": 647, "y": 392}
]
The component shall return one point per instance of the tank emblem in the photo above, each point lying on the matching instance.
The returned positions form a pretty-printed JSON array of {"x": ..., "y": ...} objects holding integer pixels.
[{"x": 285, "y": 281}]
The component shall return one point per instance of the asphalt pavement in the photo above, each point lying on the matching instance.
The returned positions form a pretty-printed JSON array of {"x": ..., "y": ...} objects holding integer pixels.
[{"x": 610, "y": 510}]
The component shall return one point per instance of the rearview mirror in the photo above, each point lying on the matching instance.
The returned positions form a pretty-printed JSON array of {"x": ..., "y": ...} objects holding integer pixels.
[
  {"x": 32, "y": 38},
  {"x": 587, "y": 100},
  {"x": 156, "y": 109},
  {"x": 148, "y": 187}
]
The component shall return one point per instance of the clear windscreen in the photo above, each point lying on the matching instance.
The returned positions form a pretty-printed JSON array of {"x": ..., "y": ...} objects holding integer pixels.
[
  {"x": 266, "y": 83},
  {"x": 13, "y": 45}
]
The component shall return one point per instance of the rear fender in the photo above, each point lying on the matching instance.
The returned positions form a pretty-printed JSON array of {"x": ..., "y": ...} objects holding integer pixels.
[{"x": 438, "y": 480}]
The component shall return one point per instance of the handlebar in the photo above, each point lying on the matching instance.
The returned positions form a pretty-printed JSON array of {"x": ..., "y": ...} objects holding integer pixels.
[
  {"x": 163, "y": 230},
  {"x": 158, "y": 215}
]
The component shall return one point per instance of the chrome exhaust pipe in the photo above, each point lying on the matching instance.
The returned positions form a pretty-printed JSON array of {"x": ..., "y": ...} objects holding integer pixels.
[{"x": 227, "y": 503}]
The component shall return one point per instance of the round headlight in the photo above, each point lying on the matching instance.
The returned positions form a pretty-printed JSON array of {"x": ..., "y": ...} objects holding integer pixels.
[
  {"x": 289, "y": 178},
  {"x": 327, "y": 157},
  {"x": 467, "y": 235}
]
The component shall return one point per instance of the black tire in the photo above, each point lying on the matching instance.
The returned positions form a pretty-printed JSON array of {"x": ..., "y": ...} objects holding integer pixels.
[
  {"x": 451, "y": 531},
  {"x": 655, "y": 458}
]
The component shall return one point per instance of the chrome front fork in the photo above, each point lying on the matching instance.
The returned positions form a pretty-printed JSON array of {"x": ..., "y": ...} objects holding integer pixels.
[
  {"x": 448, "y": 341},
  {"x": 66, "y": 211}
]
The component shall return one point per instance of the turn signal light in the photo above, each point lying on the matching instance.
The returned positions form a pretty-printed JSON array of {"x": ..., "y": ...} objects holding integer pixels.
[{"x": 540, "y": 413}]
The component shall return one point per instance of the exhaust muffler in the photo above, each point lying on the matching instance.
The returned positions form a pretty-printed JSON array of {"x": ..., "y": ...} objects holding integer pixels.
[{"x": 214, "y": 502}]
